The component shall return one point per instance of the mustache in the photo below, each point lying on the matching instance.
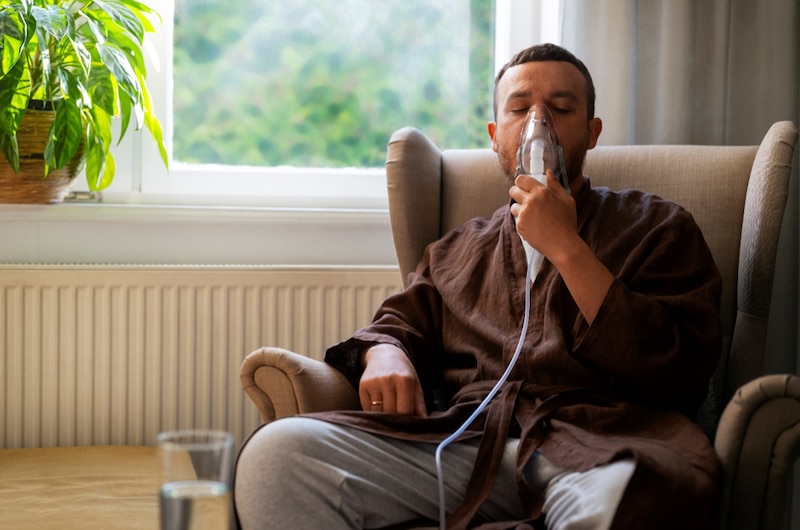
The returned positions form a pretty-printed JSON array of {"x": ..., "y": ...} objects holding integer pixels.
[{"x": 508, "y": 162}]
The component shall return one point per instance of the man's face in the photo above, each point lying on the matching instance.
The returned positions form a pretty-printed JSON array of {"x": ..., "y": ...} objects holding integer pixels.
[{"x": 561, "y": 87}]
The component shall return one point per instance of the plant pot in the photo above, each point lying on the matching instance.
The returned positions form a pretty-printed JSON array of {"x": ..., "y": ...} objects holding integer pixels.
[{"x": 29, "y": 185}]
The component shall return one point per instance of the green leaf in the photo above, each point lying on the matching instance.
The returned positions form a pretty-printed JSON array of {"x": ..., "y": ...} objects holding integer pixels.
[
  {"x": 15, "y": 91},
  {"x": 153, "y": 125},
  {"x": 121, "y": 15},
  {"x": 103, "y": 179},
  {"x": 95, "y": 159},
  {"x": 142, "y": 12},
  {"x": 120, "y": 67},
  {"x": 100, "y": 166},
  {"x": 52, "y": 19},
  {"x": 13, "y": 37},
  {"x": 41, "y": 77},
  {"x": 104, "y": 91},
  {"x": 125, "y": 116},
  {"x": 128, "y": 81},
  {"x": 11, "y": 150},
  {"x": 131, "y": 48},
  {"x": 66, "y": 135},
  {"x": 68, "y": 85},
  {"x": 97, "y": 35},
  {"x": 101, "y": 123},
  {"x": 83, "y": 55}
]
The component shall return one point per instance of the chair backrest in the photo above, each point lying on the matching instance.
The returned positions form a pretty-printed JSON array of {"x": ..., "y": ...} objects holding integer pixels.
[{"x": 737, "y": 195}]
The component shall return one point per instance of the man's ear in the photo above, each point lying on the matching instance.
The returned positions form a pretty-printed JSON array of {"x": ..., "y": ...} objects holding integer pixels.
[
  {"x": 491, "y": 127},
  {"x": 595, "y": 128}
]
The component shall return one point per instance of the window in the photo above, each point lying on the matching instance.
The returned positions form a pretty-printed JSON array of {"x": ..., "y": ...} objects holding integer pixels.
[
  {"x": 286, "y": 103},
  {"x": 310, "y": 83},
  {"x": 200, "y": 214}
]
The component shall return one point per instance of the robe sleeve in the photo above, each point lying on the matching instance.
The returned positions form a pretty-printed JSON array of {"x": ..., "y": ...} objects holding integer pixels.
[
  {"x": 658, "y": 332},
  {"x": 410, "y": 320}
]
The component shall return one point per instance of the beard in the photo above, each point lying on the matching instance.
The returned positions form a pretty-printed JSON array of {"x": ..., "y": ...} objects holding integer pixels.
[
  {"x": 507, "y": 156},
  {"x": 574, "y": 165}
]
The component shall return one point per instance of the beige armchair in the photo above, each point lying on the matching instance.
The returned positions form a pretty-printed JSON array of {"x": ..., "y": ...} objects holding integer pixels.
[{"x": 737, "y": 195}]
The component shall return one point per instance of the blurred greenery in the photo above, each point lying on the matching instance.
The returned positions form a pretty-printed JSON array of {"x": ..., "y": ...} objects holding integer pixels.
[{"x": 324, "y": 83}]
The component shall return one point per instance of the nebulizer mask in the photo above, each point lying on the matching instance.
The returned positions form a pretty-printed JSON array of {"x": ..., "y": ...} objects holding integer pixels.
[{"x": 540, "y": 147}]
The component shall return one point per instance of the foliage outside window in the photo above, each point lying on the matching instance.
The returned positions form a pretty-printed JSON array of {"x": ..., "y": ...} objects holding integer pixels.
[{"x": 313, "y": 83}]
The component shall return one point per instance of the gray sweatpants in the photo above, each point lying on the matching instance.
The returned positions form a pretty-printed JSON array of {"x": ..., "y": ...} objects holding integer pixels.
[{"x": 305, "y": 473}]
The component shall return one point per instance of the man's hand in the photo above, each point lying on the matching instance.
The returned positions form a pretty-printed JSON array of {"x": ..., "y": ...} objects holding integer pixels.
[
  {"x": 547, "y": 219},
  {"x": 390, "y": 383},
  {"x": 545, "y": 213}
]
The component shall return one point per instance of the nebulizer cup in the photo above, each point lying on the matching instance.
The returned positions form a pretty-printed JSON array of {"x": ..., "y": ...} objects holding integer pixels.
[{"x": 540, "y": 147}]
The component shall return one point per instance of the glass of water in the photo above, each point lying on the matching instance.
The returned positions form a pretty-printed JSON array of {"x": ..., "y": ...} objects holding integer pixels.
[{"x": 195, "y": 479}]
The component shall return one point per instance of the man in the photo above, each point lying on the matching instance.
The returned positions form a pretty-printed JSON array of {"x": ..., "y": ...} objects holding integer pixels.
[{"x": 593, "y": 428}]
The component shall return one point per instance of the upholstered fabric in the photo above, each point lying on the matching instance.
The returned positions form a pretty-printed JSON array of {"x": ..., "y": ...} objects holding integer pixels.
[
  {"x": 766, "y": 409},
  {"x": 296, "y": 384},
  {"x": 737, "y": 195},
  {"x": 79, "y": 488}
]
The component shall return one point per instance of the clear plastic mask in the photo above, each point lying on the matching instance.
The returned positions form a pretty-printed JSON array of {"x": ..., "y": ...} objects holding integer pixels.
[{"x": 540, "y": 147}]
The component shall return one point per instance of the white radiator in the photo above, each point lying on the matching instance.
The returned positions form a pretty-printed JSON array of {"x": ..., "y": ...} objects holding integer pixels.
[{"x": 113, "y": 355}]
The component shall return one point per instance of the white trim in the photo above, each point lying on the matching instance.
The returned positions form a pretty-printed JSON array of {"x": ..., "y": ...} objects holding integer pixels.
[
  {"x": 276, "y": 187},
  {"x": 515, "y": 28},
  {"x": 194, "y": 235},
  {"x": 522, "y": 23}
]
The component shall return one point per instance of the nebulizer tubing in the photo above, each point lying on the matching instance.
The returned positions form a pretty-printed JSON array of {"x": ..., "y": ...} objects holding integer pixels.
[
  {"x": 500, "y": 382},
  {"x": 538, "y": 142}
]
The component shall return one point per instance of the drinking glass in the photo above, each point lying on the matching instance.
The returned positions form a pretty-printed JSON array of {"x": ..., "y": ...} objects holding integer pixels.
[{"x": 195, "y": 479}]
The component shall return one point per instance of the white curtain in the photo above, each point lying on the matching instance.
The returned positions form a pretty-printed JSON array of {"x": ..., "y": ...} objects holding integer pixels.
[{"x": 700, "y": 72}]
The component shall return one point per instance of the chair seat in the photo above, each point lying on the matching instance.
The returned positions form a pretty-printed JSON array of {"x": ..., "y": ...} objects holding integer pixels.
[{"x": 66, "y": 488}]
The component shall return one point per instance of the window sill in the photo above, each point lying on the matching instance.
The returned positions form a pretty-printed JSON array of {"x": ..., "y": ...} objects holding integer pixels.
[{"x": 156, "y": 234}]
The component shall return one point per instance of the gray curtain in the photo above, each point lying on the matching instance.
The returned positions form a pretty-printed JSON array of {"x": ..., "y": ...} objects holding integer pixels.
[
  {"x": 702, "y": 72},
  {"x": 680, "y": 71}
]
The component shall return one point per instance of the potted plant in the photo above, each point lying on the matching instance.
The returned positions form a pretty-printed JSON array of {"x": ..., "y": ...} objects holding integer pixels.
[{"x": 67, "y": 69}]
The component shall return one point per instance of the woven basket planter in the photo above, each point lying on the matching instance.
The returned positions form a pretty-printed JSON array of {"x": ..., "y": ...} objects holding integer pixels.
[{"x": 29, "y": 185}]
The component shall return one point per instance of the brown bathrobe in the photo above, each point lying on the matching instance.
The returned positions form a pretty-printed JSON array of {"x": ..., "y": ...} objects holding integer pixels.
[{"x": 629, "y": 385}]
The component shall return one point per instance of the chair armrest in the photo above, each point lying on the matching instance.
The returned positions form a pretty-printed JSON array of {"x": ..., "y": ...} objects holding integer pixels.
[
  {"x": 758, "y": 441},
  {"x": 284, "y": 383}
]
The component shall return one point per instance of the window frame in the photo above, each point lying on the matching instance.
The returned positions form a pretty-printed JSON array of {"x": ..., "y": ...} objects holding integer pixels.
[
  {"x": 252, "y": 216},
  {"x": 142, "y": 177}
]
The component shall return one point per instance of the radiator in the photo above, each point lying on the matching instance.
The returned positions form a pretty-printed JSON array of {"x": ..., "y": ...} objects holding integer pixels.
[{"x": 114, "y": 355}]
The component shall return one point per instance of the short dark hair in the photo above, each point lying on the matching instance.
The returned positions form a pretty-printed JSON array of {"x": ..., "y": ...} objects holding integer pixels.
[{"x": 549, "y": 52}]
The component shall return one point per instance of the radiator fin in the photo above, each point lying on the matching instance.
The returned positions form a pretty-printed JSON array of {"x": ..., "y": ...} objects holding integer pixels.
[{"x": 109, "y": 356}]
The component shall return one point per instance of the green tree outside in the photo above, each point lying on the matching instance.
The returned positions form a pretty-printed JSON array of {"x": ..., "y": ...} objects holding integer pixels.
[{"x": 314, "y": 83}]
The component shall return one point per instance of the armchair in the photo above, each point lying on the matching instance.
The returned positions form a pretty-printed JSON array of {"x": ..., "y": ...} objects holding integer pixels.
[{"x": 737, "y": 194}]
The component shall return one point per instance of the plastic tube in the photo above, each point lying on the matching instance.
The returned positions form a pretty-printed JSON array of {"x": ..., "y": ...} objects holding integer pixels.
[{"x": 447, "y": 441}]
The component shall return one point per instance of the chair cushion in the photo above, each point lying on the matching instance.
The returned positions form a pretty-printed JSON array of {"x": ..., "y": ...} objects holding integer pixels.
[{"x": 79, "y": 487}]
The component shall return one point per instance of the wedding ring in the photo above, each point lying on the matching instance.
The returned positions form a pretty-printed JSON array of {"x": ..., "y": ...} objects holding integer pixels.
[{"x": 377, "y": 403}]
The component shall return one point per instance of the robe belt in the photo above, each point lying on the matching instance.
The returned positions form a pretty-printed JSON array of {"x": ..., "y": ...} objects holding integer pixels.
[
  {"x": 499, "y": 414},
  {"x": 490, "y": 453}
]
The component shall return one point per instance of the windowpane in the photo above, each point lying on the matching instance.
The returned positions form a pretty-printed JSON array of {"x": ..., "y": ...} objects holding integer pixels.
[{"x": 324, "y": 83}]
